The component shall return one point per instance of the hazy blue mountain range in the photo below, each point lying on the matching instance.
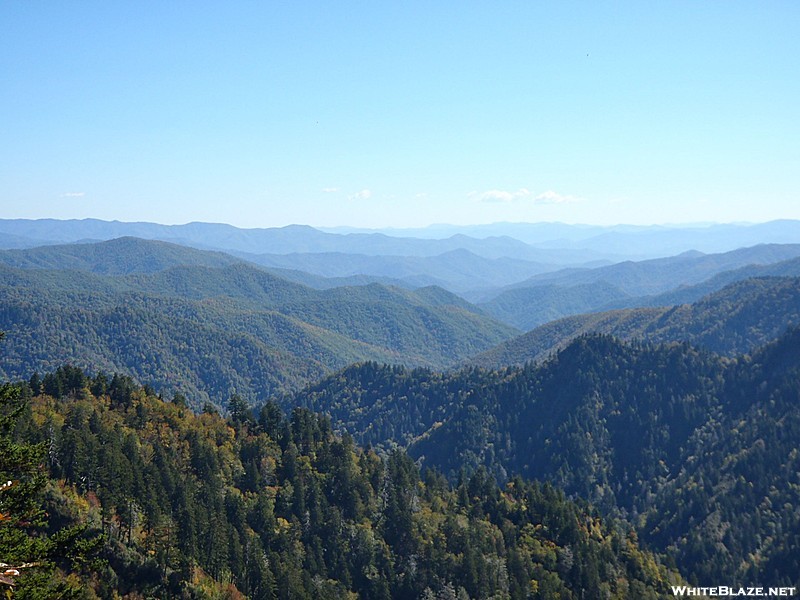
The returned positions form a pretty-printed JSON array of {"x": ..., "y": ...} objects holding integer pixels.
[
  {"x": 278, "y": 240},
  {"x": 477, "y": 262},
  {"x": 734, "y": 320},
  {"x": 456, "y": 270},
  {"x": 542, "y": 242},
  {"x": 625, "y": 240},
  {"x": 670, "y": 240},
  {"x": 549, "y": 296},
  {"x": 128, "y": 255},
  {"x": 689, "y": 293},
  {"x": 663, "y": 274},
  {"x": 211, "y": 324}
]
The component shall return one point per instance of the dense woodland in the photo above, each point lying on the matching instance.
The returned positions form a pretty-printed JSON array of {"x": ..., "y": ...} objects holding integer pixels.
[
  {"x": 209, "y": 330},
  {"x": 734, "y": 320},
  {"x": 699, "y": 452},
  {"x": 173, "y": 502},
  {"x": 185, "y": 425},
  {"x": 144, "y": 498}
]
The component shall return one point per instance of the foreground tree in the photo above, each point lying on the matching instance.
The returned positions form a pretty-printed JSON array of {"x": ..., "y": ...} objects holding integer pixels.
[{"x": 31, "y": 557}]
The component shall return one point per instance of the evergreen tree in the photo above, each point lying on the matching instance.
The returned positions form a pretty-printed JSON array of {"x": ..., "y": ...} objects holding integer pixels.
[{"x": 30, "y": 557}]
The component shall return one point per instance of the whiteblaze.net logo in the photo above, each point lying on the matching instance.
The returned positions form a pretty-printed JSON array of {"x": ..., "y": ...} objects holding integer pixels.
[{"x": 725, "y": 591}]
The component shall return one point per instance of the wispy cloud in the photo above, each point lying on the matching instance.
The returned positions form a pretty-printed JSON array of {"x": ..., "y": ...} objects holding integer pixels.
[
  {"x": 362, "y": 195},
  {"x": 330, "y": 190},
  {"x": 522, "y": 194},
  {"x": 495, "y": 196},
  {"x": 551, "y": 197},
  {"x": 73, "y": 194}
]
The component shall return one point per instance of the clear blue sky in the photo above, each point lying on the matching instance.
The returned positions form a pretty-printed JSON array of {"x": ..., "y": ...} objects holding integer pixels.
[{"x": 400, "y": 114}]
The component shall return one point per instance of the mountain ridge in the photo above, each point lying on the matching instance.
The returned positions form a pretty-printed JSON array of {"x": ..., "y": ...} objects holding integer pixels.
[
  {"x": 697, "y": 417},
  {"x": 216, "y": 323},
  {"x": 632, "y": 283},
  {"x": 733, "y": 320}
]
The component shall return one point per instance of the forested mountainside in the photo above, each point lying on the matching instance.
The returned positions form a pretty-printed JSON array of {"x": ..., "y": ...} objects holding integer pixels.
[
  {"x": 173, "y": 270},
  {"x": 629, "y": 284},
  {"x": 710, "y": 477},
  {"x": 457, "y": 269},
  {"x": 528, "y": 307},
  {"x": 114, "y": 257},
  {"x": 691, "y": 293},
  {"x": 663, "y": 274},
  {"x": 125, "y": 255},
  {"x": 699, "y": 451},
  {"x": 144, "y": 498},
  {"x": 210, "y": 330},
  {"x": 735, "y": 320}
]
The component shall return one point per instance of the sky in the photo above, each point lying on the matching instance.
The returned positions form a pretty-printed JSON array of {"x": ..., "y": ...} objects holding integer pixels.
[{"x": 400, "y": 114}]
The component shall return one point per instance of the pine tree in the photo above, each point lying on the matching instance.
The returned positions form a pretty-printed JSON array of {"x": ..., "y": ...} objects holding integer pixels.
[{"x": 28, "y": 557}]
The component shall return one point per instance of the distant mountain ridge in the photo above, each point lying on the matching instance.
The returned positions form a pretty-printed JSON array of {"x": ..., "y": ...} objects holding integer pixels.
[
  {"x": 565, "y": 292},
  {"x": 479, "y": 262},
  {"x": 690, "y": 293},
  {"x": 209, "y": 324},
  {"x": 734, "y": 320},
  {"x": 276, "y": 240},
  {"x": 662, "y": 274},
  {"x": 458, "y": 270},
  {"x": 118, "y": 256},
  {"x": 639, "y": 241},
  {"x": 516, "y": 240}
]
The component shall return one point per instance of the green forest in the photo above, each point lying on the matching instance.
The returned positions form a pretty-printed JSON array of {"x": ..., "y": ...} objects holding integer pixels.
[
  {"x": 117, "y": 493},
  {"x": 698, "y": 452},
  {"x": 180, "y": 424},
  {"x": 734, "y": 320},
  {"x": 469, "y": 484},
  {"x": 208, "y": 331}
]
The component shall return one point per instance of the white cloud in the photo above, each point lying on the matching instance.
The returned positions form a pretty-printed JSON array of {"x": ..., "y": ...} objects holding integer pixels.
[
  {"x": 74, "y": 194},
  {"x": 522, "y": 194},
  {"x": 493, "y": 196},
  {"x": 330, "y": 190},
  {"x": 362, "y": 195},
  {"x": 551, "y": 197}
]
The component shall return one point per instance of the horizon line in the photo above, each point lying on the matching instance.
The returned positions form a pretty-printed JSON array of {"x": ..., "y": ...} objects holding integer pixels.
[{"x": 431, "y": 226}]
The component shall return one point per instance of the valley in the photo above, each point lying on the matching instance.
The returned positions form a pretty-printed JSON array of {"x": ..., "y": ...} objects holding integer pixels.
[{"x": 384, "y": 388}]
